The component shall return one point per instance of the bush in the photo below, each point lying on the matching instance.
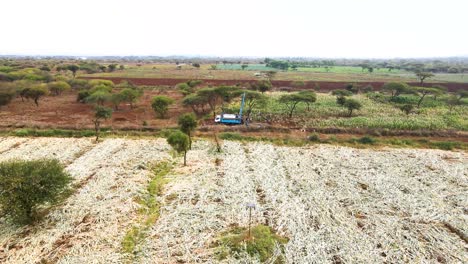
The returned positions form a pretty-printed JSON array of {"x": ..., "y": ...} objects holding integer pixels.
[
  {"x": 40, "y": 181},
  {"x": 6, "y": 96},
  {"x": 314, "y": 137},
  {"x": 160, "y": 104},
  {"x": 184, "y": 88},
  {"x": 193, "y": 83},
  {"x": 341, "y": 100},
  {"x": 82, "y": 95},
  {"x": 445, "y": 145},
  {"x": 261, "y": 244},
  {"x": 341, "y": 92},
  {"x": 367, "y": 140},
  {"x": 230, "y": 136}
]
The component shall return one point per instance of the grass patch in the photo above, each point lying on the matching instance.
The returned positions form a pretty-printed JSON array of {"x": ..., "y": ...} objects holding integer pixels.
[
  {"x": 261, "y": 244},
  {"x": 149, "y": 211},
  {"x": 446, "y": 145},
  {"x": 27, "y": 132}
]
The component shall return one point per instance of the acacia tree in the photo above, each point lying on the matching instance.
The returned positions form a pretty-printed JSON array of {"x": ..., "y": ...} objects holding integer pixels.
[
  {"x": 244, "y": 66},
  {"x": 290, "y": 101},
  {"x": 58, "y": 87},
  {"x": 116, "y": 100},
  {"x": 179, "y": 141},
  {"x": 253, "y": 99},
  {"x": 308, "y": 97},
  {"x": 101, "y": 113},
  {"x": 196, "y": 102},
  {"x": 212, "y": 98},
  {"x": 423, "y": 91},
  {"x": 130, "y": 96},
  {"x": 160, "y": 104},
  {"x": 99, "y": 97},
  {"x": 73, "y": 68},
  {"x": 396, "y": 88},
  {"x": 262, "y": 86},
  {"x": 423, "y": 76},
  {"x": 35, "y": 93},
  {"x": 352, "y": 104},
  {"x": 188, "y": 123}
]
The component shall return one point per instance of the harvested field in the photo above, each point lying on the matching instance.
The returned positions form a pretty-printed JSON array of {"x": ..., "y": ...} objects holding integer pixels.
[
  {"x": 335, "y": 204},
  {"x": 89, "y": 226}
]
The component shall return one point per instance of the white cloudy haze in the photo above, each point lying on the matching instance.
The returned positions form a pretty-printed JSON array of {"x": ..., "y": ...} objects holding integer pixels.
[{"x": 326, "y": 28}]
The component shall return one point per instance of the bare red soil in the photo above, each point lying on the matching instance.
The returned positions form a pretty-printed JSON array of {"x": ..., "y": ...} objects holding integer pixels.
[
  {"x": 324, "y": 86},
  {"x": 64, "y": 112}
]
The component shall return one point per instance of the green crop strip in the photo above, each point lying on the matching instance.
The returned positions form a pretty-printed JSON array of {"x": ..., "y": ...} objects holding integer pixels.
[{"x": 149, "y": 211}]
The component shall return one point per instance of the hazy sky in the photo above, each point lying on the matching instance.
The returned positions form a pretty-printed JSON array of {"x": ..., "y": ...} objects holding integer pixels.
[{"x": 326, "y": 28}]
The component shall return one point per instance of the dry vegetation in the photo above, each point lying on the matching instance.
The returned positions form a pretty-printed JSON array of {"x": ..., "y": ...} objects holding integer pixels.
[{"x": 334, "y": 204}]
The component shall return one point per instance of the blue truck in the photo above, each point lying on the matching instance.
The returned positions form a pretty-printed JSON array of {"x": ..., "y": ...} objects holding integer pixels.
[{"x": 231, "y": 119}]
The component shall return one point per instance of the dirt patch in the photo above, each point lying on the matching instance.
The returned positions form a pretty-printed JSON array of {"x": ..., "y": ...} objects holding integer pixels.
[{"x": 65, "y": 113}]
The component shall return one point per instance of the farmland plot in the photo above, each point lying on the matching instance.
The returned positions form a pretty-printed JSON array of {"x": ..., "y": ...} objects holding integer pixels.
[{"x": 335, "y": 204}]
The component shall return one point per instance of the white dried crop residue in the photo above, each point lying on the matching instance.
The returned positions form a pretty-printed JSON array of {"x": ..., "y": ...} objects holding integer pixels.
[
  {"x": 335, "y": 204},
  {"x": 89, "y": 227}
]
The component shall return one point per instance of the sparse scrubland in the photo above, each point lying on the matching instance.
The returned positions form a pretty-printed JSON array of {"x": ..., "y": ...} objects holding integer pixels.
[
  {"x": 314, "y": 164},
  {"x": 133, "y": 201}
]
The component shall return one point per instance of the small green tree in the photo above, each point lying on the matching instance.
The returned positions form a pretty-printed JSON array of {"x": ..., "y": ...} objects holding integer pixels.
[
  {"x": 244, "y": 66},
  {"x": 112, "y": 67},
  {"x": 73, "y": 68},
  {"x": 184, "y": 88},
  {"x": 99, "y": 97},
  {"x": 262, "y": 86},
  {"x": 396, "y": 88},
  {"x": 352, "y": 104},
  {"x": 187, "y": 124},
  {"x": 179, "y": 141},
  {"x": 101, "y": 113},
  {"x": 58, "y": 87},
  {"x": 340, "y": 100},
  {"x": 25, "y": 185},
  {"x": 130, "y": 96},
  {"x": 160, "y": 104},
  {"x": 423, "y": 76},
  {"x": 82, "y": 96},
  {"x": 6, "y": 95},
  {"x": 35, "y": 93},
  {"x": 116, "y": 99}
]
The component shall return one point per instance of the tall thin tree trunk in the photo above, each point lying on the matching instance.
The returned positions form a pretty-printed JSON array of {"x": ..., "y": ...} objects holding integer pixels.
[
  {"x": 190, "y": 140},
  {"x": 185, "y": 158},
  {"x": 96, "y": 128},
  {"x": 421, "y": 99}
]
